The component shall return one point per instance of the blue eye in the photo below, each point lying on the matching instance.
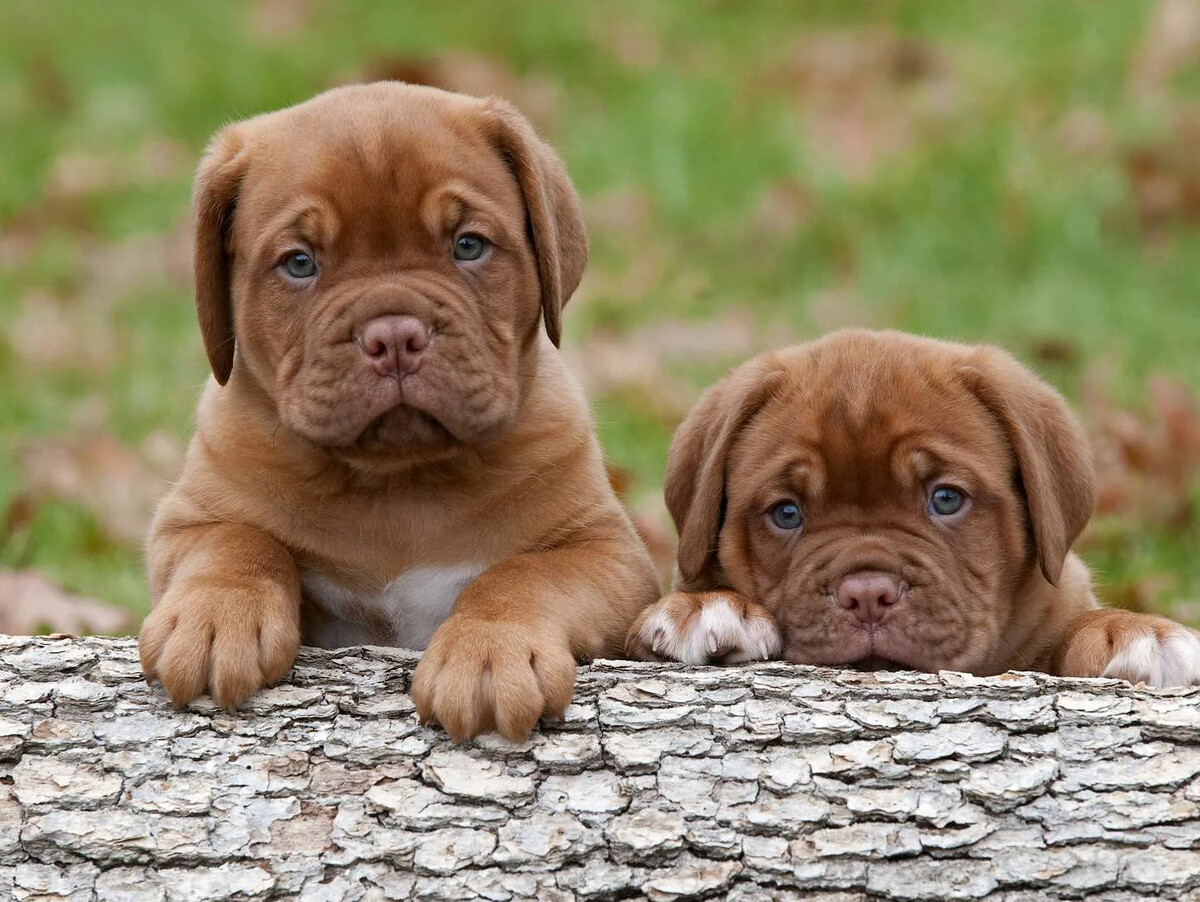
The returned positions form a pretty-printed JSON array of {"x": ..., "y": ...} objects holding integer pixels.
[
  {"x": 946, "y": 500},
  {"x": 469, "y": 247},
  {"x": 787, "y": 515},
  {"x": 300, "y": 265}
]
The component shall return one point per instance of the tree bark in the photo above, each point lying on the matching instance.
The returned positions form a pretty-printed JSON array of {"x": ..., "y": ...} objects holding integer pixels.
[{"x": 662, "y": 782}]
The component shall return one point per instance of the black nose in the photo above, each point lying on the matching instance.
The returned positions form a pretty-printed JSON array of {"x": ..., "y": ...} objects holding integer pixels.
[{"x": 393, "y": 345}]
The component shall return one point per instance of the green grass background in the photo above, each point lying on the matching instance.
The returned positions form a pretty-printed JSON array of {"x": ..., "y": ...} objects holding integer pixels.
[{"x": 980, "y": 226}]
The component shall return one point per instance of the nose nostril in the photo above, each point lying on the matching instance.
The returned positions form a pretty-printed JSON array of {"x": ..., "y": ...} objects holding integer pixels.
[
  {"x": 393, "y": 344},
  {"x": 869, "y": 596}
]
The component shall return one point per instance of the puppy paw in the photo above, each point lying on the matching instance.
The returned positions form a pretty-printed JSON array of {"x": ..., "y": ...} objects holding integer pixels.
[
  {"x": 482, "y": 675},
  {"x": 1139, "y": 648},
  {"x": 703, "y": 628},
  {"x": 226, "y": 644}
]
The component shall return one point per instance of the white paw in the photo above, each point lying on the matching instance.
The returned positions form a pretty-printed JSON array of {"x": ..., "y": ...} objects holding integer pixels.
[
  {"x": 718, "y": 632},
  {"x": 1173, "y": 660}
]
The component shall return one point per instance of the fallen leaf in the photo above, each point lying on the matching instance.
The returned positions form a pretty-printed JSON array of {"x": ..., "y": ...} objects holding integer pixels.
[
  {"x": 1164, "y": 176},
  {"x": 469, "y": 73},
  {"x": 120, "y": 486},
  {"x": 83, "y": 172},
  {"x": 1084, "y": 133},
  {"x": 1147, "y": 464},
  {"x": 31, "y": 604},
  {"x": 866, "y": 94},
  {"x": 1170, "y": 42},
  {"x": 783, "y": 208},
  {"x": 1054, "y": 350},
  {"x": 839, "y": 307},
  {"x": 274, "y": 19},
  {"x": 643, "y": 361},
  {"x": 634, "y": 45}
]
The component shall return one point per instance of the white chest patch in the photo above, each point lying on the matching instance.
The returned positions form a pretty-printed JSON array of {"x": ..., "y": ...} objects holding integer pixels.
[{"x": 413, "y": 605}]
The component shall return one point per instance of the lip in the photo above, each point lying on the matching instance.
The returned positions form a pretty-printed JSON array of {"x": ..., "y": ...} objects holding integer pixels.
[
  {"x": 876, "y": 662},
  {"x": 404, "y": 425},
  {"x": 861, "y": 649}
]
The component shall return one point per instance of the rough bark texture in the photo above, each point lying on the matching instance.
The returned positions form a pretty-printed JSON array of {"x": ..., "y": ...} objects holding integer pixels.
[{"x": 764, "y": 782}]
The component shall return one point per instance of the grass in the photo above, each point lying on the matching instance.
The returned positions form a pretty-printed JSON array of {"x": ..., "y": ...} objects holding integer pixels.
[{"x": 975, "y": 223}]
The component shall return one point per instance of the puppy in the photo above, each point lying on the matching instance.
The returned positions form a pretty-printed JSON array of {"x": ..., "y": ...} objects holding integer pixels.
[
  {"x": 879, "y": 500},
  {"x": 390, "y": 450}
]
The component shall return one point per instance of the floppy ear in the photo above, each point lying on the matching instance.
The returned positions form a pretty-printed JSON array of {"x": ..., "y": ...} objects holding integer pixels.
[
  {"x": 213, "y": 200},
  {"x": 696, "y": 465},
  {"x": 1054, "y": 460},
  {"x": 555, "y": 217}
]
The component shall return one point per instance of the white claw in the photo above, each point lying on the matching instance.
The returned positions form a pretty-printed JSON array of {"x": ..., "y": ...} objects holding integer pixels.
[
  {"x": 1173, "y": 660},
  {"x": 719, "y": 630}
]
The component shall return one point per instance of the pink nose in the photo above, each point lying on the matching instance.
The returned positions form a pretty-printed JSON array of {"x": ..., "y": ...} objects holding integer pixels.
[
  {"x": 393, "y": 345},
  {"x": 870, "y": 594}
]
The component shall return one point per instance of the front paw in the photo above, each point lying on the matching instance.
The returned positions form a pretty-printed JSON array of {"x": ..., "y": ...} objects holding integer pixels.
[
  {"x": 222, "y": 641},
  {"x": 481, "y": 675},
  {"x": 1140, "y": 648},
  {"x": 703, "y": 628}
]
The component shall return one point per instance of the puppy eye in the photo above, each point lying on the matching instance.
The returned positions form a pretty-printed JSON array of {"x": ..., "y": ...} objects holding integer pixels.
[
  {"x": 787, "y": 515},
  {"x": 946, "y": 500},
  {"x": 469, "y": 247},
  {"x": 300, "y": 265}
]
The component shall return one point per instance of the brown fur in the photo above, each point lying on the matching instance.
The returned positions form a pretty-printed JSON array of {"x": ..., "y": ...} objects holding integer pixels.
[
  {"x": 859, "y": 428},
  {"x": 305, "y": 461}
]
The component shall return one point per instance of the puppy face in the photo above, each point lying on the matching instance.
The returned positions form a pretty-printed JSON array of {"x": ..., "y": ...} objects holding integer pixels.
[
  {"x": 884, "y": 496},
  {"x": 380, "y": 257}
]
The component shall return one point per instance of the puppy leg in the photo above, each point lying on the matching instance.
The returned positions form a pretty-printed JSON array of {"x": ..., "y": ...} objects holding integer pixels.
[
  {"x": 506, "y": 654},
  {"x": 227, "y": 621},
  {"x": 1140, "y": 648},
  {"x": 704, "y": 628}
]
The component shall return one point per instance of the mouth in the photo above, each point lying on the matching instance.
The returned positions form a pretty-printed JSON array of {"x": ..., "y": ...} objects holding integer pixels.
[
  {"x": 862, "y": 650},
  {"x": 404, "y": 426},
  {"x": 875, "y": 662}
]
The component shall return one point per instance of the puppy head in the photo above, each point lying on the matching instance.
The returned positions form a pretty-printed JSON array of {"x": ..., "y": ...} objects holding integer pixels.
[
  {"x": 377, "y": 259},
  {"x": 885, "y": 496}
]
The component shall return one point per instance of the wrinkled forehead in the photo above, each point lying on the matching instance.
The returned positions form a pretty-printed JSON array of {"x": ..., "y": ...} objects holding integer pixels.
[
  {"x": 848, "y": 430},
  {"x": 375, "y": 164}
]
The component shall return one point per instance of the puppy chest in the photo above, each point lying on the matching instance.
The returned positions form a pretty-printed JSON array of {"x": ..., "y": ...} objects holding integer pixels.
[{"x": 405, "y": 613}]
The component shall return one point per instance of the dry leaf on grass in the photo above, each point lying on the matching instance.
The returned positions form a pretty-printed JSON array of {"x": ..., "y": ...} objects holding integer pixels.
[
  {"x": 118, "y": 485},
  {"x": 867, "y": 94},
  {"x": 83, "y": 172},
  {"x": 1164, "y": 177},
  {"x": 643, "y": 360},
  {"x": 1171, "y": 41},
  {"x": 469, "y": 73},
  {"x": 1147, "y": 465},
  {"x": 50, "y": 332},
  {"x": 275, "y": 19},
  {"x": 783, "y": 208},
  {"x": 1084, "y": 133},
  {"x": 32, "y": 604},
  {"x": 623, "y": 214},
  {"x": 634, "y": 44},
  {"x": 75, "y": 327}
]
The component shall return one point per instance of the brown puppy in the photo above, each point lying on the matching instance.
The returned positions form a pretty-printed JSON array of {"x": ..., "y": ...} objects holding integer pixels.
[
  {"x": 391, "y": 450},
  {"x": 879, "y": 500}
]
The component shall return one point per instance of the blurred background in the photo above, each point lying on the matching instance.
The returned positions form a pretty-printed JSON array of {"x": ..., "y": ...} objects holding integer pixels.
[{"x": 754, "y": 174}]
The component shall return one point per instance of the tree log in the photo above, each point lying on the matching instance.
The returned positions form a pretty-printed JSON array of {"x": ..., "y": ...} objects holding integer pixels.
[{"x": 663, "y": 782}]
